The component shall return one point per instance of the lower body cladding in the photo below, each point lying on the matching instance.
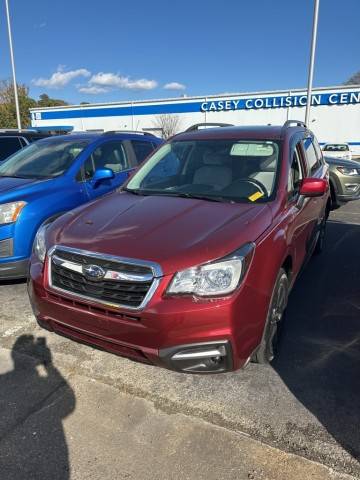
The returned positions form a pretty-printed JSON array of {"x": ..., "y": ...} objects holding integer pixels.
[
  {"x": 11, "y": 267},
  {"x": 180, "y": 333}
]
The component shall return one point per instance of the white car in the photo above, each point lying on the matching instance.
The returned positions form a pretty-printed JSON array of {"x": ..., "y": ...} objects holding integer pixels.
[{"x": 337, "y": 150}]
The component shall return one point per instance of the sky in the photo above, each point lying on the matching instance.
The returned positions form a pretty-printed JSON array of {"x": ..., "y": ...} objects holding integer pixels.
[{"x": 111, "y": 50}]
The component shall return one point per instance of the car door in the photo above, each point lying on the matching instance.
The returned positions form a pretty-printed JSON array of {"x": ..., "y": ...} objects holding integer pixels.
[
  {"x": 108, "y": 155},
  {"x": 299, "y": 208},
  {"x": 315, "y": 168}
]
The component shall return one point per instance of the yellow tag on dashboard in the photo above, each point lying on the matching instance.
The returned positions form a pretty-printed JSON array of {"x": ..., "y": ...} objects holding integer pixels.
[{"x": 255, "y": 196}]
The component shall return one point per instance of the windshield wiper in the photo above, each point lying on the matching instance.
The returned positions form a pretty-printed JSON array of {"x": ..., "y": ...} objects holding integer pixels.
[
  {"x": 12, "y": 176},
  {"x": 136, "y": 191},
  {"x": 196, "y": 196},
  {"x": 199, "y": 196}
]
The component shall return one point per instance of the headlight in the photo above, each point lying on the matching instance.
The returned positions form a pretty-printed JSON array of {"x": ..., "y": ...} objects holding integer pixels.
[
  {"x": 348, "y": 171},
  {"x": 213, "y": 279},
  {"x": 39, "y": 243},
  {"x": 9, "y": 212}
]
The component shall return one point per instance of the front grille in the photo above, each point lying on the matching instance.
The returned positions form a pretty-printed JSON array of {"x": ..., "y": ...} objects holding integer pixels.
[
  {"x": 104, "y": 263},
  {"x": 124, "y": 293},
  {"x": 6, "y": 248}
]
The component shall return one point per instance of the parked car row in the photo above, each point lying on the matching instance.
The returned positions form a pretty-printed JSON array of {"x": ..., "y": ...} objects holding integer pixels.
[{"x": 186, "y": 262}]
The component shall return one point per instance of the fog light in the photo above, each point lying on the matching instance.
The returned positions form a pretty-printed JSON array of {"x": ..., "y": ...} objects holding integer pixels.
[
  {"x": 211, "y": 357},
  {"x": 351, "y": 187}
]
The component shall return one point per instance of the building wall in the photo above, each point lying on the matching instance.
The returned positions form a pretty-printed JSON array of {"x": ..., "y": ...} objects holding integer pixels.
[{"x": 335, "y": 116}]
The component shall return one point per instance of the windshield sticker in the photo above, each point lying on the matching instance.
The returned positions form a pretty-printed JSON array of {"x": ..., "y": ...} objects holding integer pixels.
[{"x": 255, "y": 196}]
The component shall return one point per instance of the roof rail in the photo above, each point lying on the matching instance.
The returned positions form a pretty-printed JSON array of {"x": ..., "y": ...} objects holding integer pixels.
[
  {"x": 297, "y": 123},
  {"x": 139, "y": 132},
  {"x": 10, "y": 130},
  {"x": 198, "y": 126}
]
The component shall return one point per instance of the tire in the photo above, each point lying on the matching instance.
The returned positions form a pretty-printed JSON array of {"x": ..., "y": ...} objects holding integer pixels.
[
  {"x": 267, "y": 349},
  {"x": 320, "y": 243}
]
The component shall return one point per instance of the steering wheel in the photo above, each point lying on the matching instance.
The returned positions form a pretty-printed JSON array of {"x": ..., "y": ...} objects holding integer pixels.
[{"x": 256, "y": 183}]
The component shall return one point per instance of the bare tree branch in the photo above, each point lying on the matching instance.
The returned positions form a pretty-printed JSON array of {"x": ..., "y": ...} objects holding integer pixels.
[{"x": 169, "y": 124}]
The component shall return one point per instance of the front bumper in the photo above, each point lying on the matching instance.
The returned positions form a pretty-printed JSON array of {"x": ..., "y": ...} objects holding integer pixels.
[
  {"x": 183, "y": 333},
  {"x": 14, "y": 270}
]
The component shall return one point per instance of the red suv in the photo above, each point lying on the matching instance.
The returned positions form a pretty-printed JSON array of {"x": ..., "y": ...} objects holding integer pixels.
[{"x": 190, "y": 264}]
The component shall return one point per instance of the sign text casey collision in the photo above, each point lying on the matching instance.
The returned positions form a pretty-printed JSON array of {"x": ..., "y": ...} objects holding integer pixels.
[{"x": 280, "y": 101}]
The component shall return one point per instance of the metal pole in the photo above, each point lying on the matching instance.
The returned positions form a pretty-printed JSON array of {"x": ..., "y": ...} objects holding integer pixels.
[
  {"x": 312, "y": 60},
  {"x": 13, "y": 67}
]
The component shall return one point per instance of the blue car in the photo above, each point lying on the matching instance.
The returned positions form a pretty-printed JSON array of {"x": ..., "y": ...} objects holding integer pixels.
[{"x": 54, "y": 175}]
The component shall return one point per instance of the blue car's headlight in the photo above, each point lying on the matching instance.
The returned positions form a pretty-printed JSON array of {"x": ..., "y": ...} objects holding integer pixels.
[{"x": 9, "y": 212}]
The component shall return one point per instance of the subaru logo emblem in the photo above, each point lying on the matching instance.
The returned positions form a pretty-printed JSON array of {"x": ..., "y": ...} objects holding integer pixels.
[{"x": 93, "y": 272}]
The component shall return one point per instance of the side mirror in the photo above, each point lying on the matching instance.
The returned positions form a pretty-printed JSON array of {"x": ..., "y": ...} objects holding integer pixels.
[
  {"x": 102, "y": 174},
  {"x": 313, "y": 187}
]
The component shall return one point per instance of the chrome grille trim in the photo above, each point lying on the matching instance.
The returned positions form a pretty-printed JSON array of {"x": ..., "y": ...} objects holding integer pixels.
[{"x": 122, "y": 276}]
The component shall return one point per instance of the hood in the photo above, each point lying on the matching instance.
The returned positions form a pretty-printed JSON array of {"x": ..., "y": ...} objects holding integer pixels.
[
  {"x": 341, "y": 162},
  {"x": 174, "y": 232},
  {"x": 10, "y": 183}
]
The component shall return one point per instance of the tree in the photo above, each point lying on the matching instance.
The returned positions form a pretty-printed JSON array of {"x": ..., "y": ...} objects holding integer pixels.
[
  {"x": 169, "y": 124},
  {"x": 354, "y": 79},
  {"x": 7, "y": 105},
  {"x": 46, "y": 101}
]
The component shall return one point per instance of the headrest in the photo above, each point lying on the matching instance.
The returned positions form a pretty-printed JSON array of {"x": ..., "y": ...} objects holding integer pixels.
[{"x": 215, "y": 158}]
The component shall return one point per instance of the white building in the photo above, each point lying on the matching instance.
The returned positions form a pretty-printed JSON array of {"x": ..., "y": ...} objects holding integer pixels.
[{"x": 335, "y": 116}]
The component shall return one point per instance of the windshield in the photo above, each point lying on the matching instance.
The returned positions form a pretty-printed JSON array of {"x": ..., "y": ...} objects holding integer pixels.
[
  {"x": 218, "y": 170},
  {"x": 336, "y": 148},
  {"x": 44, "y": 159}
]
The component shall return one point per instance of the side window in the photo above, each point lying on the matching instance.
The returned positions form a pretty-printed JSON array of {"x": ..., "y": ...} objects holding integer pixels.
[
  {"x": 107, "y": 155},
  {"x": 295, "y": 173},
  {"x": 318, "y": 150},
  {"x": 142, "y": 149},
  {"x": 23, "y": 142},
  {"x": 312, "y": 159},
  {"x": 8, "y": 146}
]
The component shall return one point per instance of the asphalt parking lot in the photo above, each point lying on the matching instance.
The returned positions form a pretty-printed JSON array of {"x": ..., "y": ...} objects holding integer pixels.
[{"x": 69, "y": 411}]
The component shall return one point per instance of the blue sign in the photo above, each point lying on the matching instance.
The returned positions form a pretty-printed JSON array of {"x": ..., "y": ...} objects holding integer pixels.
[
  {"x": 232, "y": 104},
  {"x": 283, "y": 101}
]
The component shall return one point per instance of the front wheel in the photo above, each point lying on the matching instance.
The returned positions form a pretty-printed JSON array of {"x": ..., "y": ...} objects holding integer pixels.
[{"x": 270, "y": 340}]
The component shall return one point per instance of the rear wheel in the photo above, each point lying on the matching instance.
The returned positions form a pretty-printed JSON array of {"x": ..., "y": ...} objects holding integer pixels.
[
  {"x": 270, "y": 340},
  {"x": 320, "y": 243}
]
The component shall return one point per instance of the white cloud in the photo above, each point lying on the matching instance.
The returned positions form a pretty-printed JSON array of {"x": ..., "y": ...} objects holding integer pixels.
[
  {"x": 61, "y": 78},
  {"x": 92, "y": 90},
  {"x": 174, "y": 86},
  {"x": 120, "y": 81}
]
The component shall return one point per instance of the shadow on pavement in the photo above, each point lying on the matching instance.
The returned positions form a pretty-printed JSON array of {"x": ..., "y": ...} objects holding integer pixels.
[
  {"x": 34, "y": 399},
  {"x": 319, "y": 360}
]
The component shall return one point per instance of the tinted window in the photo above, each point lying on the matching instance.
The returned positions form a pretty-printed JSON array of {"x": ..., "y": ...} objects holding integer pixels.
[
  {"x": 141, "y": 149},
  {"x": 8, "y": 146},
  {"x": 107, "y": 155},
  {"x": 42, "y": 159},
  {"x": 311, "y": 156}
]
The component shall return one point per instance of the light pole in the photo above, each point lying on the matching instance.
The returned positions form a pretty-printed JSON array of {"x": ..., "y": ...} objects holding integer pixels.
[
  {"x": 312, "y": 60},
  {"x": 13, "y": 67}
]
